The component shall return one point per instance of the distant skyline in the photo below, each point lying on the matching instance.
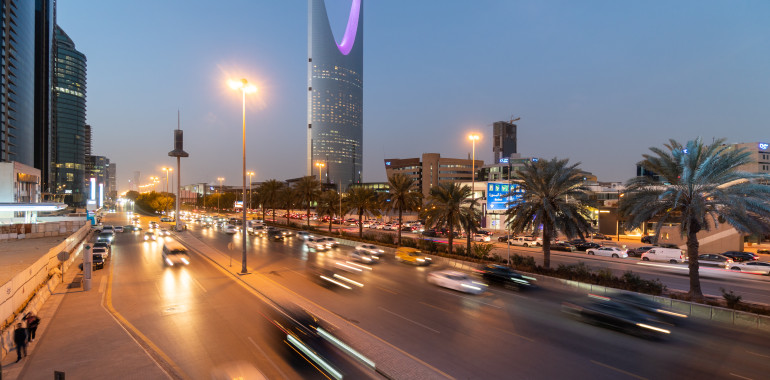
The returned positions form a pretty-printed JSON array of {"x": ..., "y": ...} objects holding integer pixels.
[{"x": 594, "y": 81}]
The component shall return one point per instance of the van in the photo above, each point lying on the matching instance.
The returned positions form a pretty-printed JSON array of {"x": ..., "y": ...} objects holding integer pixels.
[
  {"x": 175, "y": 253},
  {"x": 668, "y": 255},
  {"x": 524, "y": 241}
]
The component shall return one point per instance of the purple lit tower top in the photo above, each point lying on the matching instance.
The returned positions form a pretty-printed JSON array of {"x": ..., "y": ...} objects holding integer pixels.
[{"x": 335, "y": 96}]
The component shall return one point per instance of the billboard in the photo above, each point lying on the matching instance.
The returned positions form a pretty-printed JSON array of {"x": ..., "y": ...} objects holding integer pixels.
[{"x": 500, "y": 194}]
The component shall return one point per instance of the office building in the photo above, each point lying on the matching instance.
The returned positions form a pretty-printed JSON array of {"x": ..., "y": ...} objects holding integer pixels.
[
  {"x": 335, "y": 95},
  {"x": 17, "y": 81},
  {"x": 69, "y": 120},
  {"x": 43, "y": 108},
  {"x": 111, "y": 188},
  {"x": 504, "y": 140},
  {"x": 760, "y": 157},
  {"x": 432, "y": 169}
]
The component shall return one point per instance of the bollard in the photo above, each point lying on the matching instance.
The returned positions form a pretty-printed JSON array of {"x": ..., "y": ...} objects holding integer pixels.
[{"x": 88, "y": 266}]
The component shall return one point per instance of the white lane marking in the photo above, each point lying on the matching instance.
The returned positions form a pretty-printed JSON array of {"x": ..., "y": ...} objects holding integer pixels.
[
  {"x": 103, "y": 284},
  {"x": 384, "y": 289},
  {"x": 754, "y": 353},
  {"x": 283, "y": 375},
  {"x": 619, "y": 370},
  {"x": 471, "y": 299},
  {"x": 405, "y": 318},
  {"x": 740, "y": 377}
]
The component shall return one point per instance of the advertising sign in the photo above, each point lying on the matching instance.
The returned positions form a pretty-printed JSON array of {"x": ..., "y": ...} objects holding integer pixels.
[{"x": 500, "y": 194}]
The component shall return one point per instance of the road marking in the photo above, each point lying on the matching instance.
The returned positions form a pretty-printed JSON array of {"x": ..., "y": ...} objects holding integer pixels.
[
  {"x": 435, "y": 307},
  {"x": 740, "y": 377},
  {"x": 754, "y": 353},
  {"x": 103, "y": 284},
  {"x": 415, "y": 322},
  {"x": 514, "y": 334},
  {"x": 471, "y": 299},
  {"x": 387, "y": 290},
  {"x": 619, "y": 370},
  {"x": 283, "y": 375}
]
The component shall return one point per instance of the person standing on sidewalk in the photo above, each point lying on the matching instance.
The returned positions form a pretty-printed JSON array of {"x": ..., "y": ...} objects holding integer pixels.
[
  {"x": 32, "y": 322},
  {"x": 20, "y": 339}
]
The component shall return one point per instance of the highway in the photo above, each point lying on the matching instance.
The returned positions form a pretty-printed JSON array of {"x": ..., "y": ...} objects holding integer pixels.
[{"x": 204, "y": 321}]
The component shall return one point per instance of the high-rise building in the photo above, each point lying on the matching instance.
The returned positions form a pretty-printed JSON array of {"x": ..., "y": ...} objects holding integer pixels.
[
  {"x": 88, "y": 137},
  {"x": 17, "y": 81},
  {"x": 69, "y": 120},
  {"x": 335, "y": 95},
  {"x": 44, "y": 51},
  {"x": 112, "y": 186},
  {"x": 504, "y": 140}
]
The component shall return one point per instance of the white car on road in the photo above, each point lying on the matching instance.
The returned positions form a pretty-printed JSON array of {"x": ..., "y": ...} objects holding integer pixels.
[
  {"x": 458, "y": 281},
  {"x": 755, "y": 267},
  {"x": 371, "y": 249},
  {"x": 609, "y": 252},
  {"x": 481, "y": 238},
  {"x": 230, "y": 229}
]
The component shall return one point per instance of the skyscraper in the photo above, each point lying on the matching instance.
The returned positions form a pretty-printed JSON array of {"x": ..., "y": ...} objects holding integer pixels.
[
  {"x": 335, "y": 95},
  {"x": 44, "y": 50},
  {"x": 17, "y": 81},
  {"x": 504, "y": 139},
  {"x": 69, "y": 120}
]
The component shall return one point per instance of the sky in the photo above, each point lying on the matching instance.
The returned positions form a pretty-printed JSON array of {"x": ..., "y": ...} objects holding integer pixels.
[{"x": 597, "y": 82}]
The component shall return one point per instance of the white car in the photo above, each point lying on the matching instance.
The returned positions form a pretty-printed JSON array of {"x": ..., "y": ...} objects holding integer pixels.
[
  {"x": 523, "y": 241},
  {"x": 363, "y": 256},
  {"x": 318, "y": 243},
  {"x": 481, "y": 238},
  {"x": 331, "y": 242},
  {"x": 755, "y": 267},
  {"x": 455, "y": 280},
  {"x": 303, "y": 235},
  {"x": 102, "y": 251},
  {"x": 608, "y": 251},
  {"x": 118, "y": 228},
  {"x": 230, "y": 229},
  {"x": 371, "y": 249}
]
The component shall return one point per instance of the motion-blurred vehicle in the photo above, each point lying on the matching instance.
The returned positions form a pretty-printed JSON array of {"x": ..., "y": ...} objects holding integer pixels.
[
  {"x": 763, "y": 250},
  {"x": 503, "y": 239},
  {"x": 166, "y": 219},
  {"x": 371, "y": 249},
  {"x": 230, "y": 229},
  {"x": 649, "y": 307},
  {"x": 164, "y": 232},
  {"x": 275, "y": 235},
  {"x": 458, "y": 281},
  {"x": 412, "y": 256},
  {"x": 599, "y": 236},
  {"x": 303, "y": 235},
  {"x": 754, "y": 267},
  {"x": 604, "y": 311},
  {"x": 482, "y": 238},
  {"x": 637, "y": 252},
  {"x": 562, "y": 246},
  {"x": 318, "y": 243},
  {"x": 132, "y": 228},
  {"x": 507, "y": 277},
  {"x": 330, "y": 241},
  {"x": 108, "y": 228},
  {"x": 175, "y": 253},
  {"x": 363, "y": 256},
  {"x": 288, "y": 233},
  {"x": 105, "y": 237},
  {"x": 153, "y": 225},
  {"x": 331, "y": 276},
  {"x": 666, "y": 255},
  {"x": 258, "y": 231},
  {"x": 149, "y": 236},
  {"x": 738, "y": 256},
  {"x": 714, "y": 260},
  {"x": 118, "y": 228},
  {"x": 523, "y": 241},
  {"x": 608, "y": 252},
  {"x": 582, "y": 245},
  {"x": 430, "y": 233}
]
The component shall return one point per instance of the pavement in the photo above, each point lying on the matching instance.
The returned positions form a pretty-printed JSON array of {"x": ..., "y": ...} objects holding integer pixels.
[{"x": 79, "y": 337}]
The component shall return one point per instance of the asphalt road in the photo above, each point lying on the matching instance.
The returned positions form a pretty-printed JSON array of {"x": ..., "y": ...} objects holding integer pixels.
[{"x": 496, "y": 334}]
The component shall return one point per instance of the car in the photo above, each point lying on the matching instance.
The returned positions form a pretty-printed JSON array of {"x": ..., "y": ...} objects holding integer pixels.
[
  {"x": 318, "y": 243},
  {"x": 166, "y": 219},
  {"x": 371, "y": 248},
  {"x": 101, "y": 251},
  {"x": 230, "y": 229},
  {"x": 330, "y": 241},
  {"x": 507, "y": 277},
  {"x": 459, "y": 281},
  {"x": 164, "y": 232},
  {"x": 288, "y": 233},
  {"x": 303, "y": 235},
  {"x": 106, "y": 237},
  {"x": 430, "y": 233},
  {"x": 582, "y": 245},
  {"x": 275, "y": 235},
  {"x": 503, "y": 239},
  {"x": 599, "y": 236},
  {"x": 738, "y": 256},
  {"x": 108, "y": 228},
  {"x": 714, "y": 260},
  {"x": 650, "y": 307},
  {"x": 153, "y": 225},
  {"x": 388, "y": 227},
  {"x": 563, "y": 246},
  {"x": 258, "y": 230},
  {"x": 175, "y": 254},
  {"x": 608, "y": 251},
  {"x": 482, "y": 238},
  {"x": 523, "y": 241},
  {"x": 363, "y": 256},
  {"x": 118, "y": 228},
  {"x": 132, "y": 228},
  {"x": 104, "y": 245},
  {"x": 763, "y": 250},
  {"x": 649, "y": 239},
  {"x": 755, "y": 267},
  {"x": 604, "y": 311},
  {"x": 637, "y": 252},
  {"x": 406, "y": 229},
  {"x": 412, "y": 256},
  {"x": 667, "y": 255},
  {"x": 97, "y": 261}
]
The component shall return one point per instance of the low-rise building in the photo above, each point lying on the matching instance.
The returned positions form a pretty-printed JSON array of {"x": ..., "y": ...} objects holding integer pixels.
[{"x": 432, "y": 169}]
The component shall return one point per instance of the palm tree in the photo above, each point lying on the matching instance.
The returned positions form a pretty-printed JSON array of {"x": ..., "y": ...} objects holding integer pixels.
[
  {"x": 550, "y": 194},
  {"x": 328, "y": 205},
  {"x": 699, "y": 187},
  {"x": 308, "y": 188},
  {"x": 363, "y": 201},
  {"x": 445, "y": 207},
  {"x": 403, "y": 196},
  {"x": 470, "y": 219},
  {"x": 268, "y": 193},
  {"x": 287, "y": 198}
]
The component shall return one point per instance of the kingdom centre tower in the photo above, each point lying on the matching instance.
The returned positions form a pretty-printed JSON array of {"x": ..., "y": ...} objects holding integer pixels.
[{"x": 335, "y": 96}]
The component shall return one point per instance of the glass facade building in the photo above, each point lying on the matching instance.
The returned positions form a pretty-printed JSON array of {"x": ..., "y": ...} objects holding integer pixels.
[
  {"x": 17, "y": 81},
  {"x": 335, "y": 96},
  {"x": 69, "y": 120},
  {"x": 44, "y": 25}
]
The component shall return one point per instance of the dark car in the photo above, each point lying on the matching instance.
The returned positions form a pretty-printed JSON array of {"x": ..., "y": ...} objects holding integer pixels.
[
  {"x": 131, "y": 228},
  {"x": 601, "y": 236},
  {"x": 98, "y": 261},
  {"x": 567, "y": 247},
  {"x": 649, "y": 239},
  {"x": 637, "y": 252},
  {"x": 714, "y": 260},
  {"x": 763, "y": 250},
  {"x": 582, "y": 245},
  {"x": 649, "y": 307},
  {"x": 604, "y": 311},
  {"x": 276, "y": 235},
  {"x": 741, "y": 256},
  {"x": 502, "y": 275},
  {"x": 430, "y": 233},
  {"x": 503, "y": 238}
]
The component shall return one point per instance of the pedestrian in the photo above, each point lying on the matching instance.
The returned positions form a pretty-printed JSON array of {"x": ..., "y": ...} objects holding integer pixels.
[
  {"x": 20, "y": 339},
  {"x": 32, "y": 322}
]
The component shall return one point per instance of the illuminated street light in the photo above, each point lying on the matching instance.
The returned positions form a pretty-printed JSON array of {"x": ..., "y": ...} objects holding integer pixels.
[
  {"x": 320, "y": 170},
  {"x": 165, "y": 169},
  {"x": 250, "y": 174},
  {"x": 473, "y": 137}
]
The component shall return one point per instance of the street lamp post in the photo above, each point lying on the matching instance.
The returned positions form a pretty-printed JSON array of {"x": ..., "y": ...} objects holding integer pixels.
[
  {"x": 220, "y": 179},
  {"x": 473, "y": 137},
  {"x": 251, "y": 174},
  {"x": 167, "y": 170},
  {"x": 245, "y": 88},
  {"x": 320, "y": 170}
]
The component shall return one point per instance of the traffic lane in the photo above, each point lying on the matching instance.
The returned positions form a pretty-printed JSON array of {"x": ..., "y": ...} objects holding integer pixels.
[{"x": 203, "y": 320}]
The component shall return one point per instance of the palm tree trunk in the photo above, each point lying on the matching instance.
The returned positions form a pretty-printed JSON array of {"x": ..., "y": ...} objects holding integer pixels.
[
  {"x": 288, "y": 212},
  {"x": 451, "y": 238},
  {"x": 360, "y": 225},
  {"x": 308, "y": 215},
  {"x": 468, "y": 246},
  {"x": 400, "y": 214},
  {"x": 330, "y": 223},
  {"x": 546, "y": 247},
  {"x": 696, "y": 294}
]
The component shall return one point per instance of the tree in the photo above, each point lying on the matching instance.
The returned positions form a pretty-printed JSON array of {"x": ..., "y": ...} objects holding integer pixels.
[
  {"x": 132, "y": 195},
  {"x": 269, "y": 192},
  {"x": 287, "y": 198},
  {"x": 699, "y": 186},
  {"x": 328, "y": 205},
  {"x": 308, "y": 189},
  {"x": 363, "y": 201},
  {"x": 550, "y": 194},
  {"x": 470, "y": 219},
  {"x": 403, "y": 196},
  {"x": 445, "y": 206}
]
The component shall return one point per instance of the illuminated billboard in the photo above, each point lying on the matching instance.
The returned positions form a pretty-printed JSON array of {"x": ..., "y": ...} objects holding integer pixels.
[{"x": 500, "y": 194}]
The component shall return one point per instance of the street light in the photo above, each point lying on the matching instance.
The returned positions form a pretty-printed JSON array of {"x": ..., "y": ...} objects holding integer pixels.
[
  {"x": 220, "y": 179},
  {"x": 473, "y": 137},
  {"x": 154, "y": 182},
  {"x": 320, "y": 170},
  {"x": 251, "y": 174},
  {"x": 165, "y": 169},
  {"x": 245, "y": 88}
]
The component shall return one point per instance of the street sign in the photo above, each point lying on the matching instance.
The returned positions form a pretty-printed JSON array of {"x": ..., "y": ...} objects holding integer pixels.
[{"x": 500, "y": 194}]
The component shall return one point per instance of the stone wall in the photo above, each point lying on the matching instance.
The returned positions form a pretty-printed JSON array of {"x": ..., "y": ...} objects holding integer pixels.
[{"x": 38, "y": 230}]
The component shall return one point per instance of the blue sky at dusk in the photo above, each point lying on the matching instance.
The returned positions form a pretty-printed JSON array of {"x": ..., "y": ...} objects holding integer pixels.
[{"x": 594, "y": 81}]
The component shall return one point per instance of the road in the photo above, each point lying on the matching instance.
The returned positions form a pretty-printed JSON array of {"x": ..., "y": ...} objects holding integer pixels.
[{"x": 497, "y": 334}]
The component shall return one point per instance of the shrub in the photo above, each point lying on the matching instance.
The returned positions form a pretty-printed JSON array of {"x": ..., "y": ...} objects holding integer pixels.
[
  {"x": 525, "y": 263},
  {"x": 459, "y": 250},
  {"x": 731, "y": 298},
  {"x": 481, "y": 251}
]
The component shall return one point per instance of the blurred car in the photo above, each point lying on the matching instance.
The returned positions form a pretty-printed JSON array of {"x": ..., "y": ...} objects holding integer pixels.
[
  {"x": 275, "y": 235},
  {"x": 153, "y": 225},
  {"x": 738, "y": 256},
  {"x": 458, "y": 281},
  {"x": 258, "y": 231},
  {"x": 430, "y": 233},
  {"x": 371, "y": 248},
  {"x": 523, "y": 241},
  {"x": 318, "y": 243},
  {"x": 649, "y": 239},
  {"x": 105, "y": 237},
  {"x": 132, "y": 228},
  {"x": 482, "y": 237},
  {"x": 230, "y": 229},
  {"x": 97, "y": 261},
  {"x": 118, "y": 228},
  {"x": 666, "y": 255},
  {"x": 503, "y": 238},
  {"x": 102, "y": 251},
  {"x": 649, "y": 307},
  {"x": 562, "y": 246},
  {"x": 714, "y": 260},
  {"x": 363, "y": 256},
  {"x": 175, "y": 253},
  {"x": 104, "y": 245},
  {"x": 108, "y": 228},
  {"x": 637, "y": 252},
  {"x": 166, "y": 219},
  {"x": 601, "y": 236},
  {"x": 608, "y": 252},
  {"x": 763, "y": 250},
  {"x": 149, "y": 235},
  {"x": 164, "y": 232},
  {"x": 604, "y": 311},
  {"x": 330, "y": 241},
  {"x": 288, "y": 233},
  {"x": 755, "y": 267},
  {"x": 303, "y": 235},
  {"x": 582, "y": 245},
  {"x": 502, "y": 275},
  {"x": 412, "y": 256}
]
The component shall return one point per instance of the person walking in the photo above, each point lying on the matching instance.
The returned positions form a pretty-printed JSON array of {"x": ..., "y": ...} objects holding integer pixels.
[
  {"x": 32, "y": 322},
  {"x": 20, "y": 339}
]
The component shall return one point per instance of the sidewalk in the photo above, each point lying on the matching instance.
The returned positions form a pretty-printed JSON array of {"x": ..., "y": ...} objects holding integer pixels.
[{"x": 79, "y": 337}]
